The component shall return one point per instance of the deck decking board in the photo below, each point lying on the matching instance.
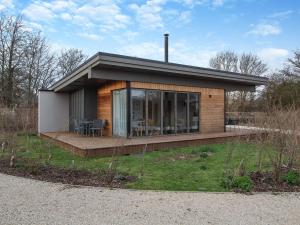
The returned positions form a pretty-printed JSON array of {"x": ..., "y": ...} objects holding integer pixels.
[{"x": 106, "y": 146}]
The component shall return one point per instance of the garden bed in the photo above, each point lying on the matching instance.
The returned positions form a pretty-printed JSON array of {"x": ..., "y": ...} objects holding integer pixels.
[
  {"x": 29, "y": 169},
  {"x": 263, "y": 181}
]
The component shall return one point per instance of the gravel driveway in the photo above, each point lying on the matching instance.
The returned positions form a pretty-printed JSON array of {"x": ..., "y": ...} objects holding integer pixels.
[{"x": 25, "y": 201}]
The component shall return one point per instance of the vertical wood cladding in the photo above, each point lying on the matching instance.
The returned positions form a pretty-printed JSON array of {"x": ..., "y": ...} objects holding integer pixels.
[
  {"x": 105, "y": 103},
  {"x": 211, "y": 104}
]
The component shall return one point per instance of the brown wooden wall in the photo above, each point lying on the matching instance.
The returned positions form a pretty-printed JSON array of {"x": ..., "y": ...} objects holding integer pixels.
[
  {"x": 104, "y": 108},
  {"x": 211, "y": 104}
]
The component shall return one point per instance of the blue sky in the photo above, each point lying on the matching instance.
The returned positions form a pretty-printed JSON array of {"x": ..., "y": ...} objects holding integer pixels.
[{"x": 198, "y": 28}]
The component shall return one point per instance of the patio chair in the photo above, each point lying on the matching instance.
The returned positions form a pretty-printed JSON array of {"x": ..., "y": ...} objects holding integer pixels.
[
  {"x": 78, "y": 128},
  {"x": 97, "y": 126}
]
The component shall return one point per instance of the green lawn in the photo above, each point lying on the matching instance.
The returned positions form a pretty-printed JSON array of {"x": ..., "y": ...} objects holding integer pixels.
[{"x": 198, "y": 168}]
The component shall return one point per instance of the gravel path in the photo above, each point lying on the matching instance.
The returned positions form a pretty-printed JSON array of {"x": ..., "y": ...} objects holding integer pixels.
[{"x": 25, "y": 201}]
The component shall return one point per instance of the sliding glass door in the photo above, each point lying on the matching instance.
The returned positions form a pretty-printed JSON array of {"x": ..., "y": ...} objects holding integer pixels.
[
  {"x": 194, "y": 112},
  {"x": 155, "y": 112},
  {"x": 138, "y": 112},
  {"x": 182, "y": 107},
  {"x": 169, "y": 113},
  {"x": 153, "y": 104},
  {"x": 120, "y": 113}
]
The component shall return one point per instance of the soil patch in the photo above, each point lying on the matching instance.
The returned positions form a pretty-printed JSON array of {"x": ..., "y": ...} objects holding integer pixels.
[
  {"x": 265, "y": 182},
  {"x": 29, "y": 169}
]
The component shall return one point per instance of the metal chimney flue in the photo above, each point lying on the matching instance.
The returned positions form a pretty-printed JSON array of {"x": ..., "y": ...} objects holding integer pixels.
[{"x": 166, "y": 48}]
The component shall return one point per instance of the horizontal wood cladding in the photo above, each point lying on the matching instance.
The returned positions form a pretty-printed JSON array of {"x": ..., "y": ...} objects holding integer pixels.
[
  {"x": 211, "y": 103},
  {"x": 166, "y": 87},
  {"x": 104, "y": 108}
]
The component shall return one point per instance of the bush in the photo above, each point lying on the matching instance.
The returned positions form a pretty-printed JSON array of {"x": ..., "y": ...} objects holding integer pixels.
[
  {"x": 227, "y": 182},
  {"x": 203, "y": 154},
  {"x": 243, "y": 183},
  {"x": 292, "y": 178}
]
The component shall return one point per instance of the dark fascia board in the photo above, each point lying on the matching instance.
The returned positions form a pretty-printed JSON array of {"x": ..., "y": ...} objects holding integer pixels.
[
  {"x": 147, "y": 64},
  {"x": 115, "y": 60}
]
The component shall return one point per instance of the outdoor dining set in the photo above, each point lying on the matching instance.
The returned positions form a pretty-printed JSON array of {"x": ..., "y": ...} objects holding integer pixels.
[{"x": 86, "y": 127}]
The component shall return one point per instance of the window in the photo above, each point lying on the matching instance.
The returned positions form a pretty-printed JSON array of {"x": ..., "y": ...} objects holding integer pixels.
[
  {"x": 169, "y": 112},
  {"x": 138, "y": 112},
  {"x": 194, "y": 112},
  {"x": 182, "y": 107},
  {"x": 120, "y": 113},
  {"x": 154, "y": 112}
]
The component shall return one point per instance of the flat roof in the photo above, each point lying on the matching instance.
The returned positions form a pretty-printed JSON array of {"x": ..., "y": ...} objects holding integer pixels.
[{"x": 120, "y": 61}]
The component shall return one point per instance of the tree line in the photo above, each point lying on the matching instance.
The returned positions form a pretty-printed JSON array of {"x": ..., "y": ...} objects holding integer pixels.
[
  {"x": 27, "y": 62},
  {"x": 282, "y": 90}
]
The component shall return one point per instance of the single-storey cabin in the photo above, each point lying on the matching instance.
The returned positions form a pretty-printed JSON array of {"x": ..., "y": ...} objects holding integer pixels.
[{"x": 140, "y": 98}]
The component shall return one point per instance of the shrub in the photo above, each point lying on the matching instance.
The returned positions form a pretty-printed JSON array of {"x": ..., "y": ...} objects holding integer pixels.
[
  {"x": 203, "y": 154},
  {"x": 243, "y": 183},
  {"x": 292, "y": 178},
  {"x": 227, "y": 182}
]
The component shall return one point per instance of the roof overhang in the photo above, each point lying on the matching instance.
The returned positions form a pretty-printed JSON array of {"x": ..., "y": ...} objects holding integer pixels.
[{"x": 107, "y": 66}]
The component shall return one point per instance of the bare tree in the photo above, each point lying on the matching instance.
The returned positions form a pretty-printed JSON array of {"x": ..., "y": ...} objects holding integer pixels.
[
  {"x": 12, "y": 45},
  {"x": 246, "y": 63},
  {"x": 69, "y": 60},
  {"x": 38, "y": 69},
  {"x": 251, "y": 64},
  {"x": 27, "y": 62},
  {"x": 295, "y": 61},
  {"x": 226, "y": 60}
]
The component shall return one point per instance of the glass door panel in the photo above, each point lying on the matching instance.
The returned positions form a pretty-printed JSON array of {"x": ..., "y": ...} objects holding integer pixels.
[
  {"x": 169, "y": 113},
  {"x": 194, "y": 112},
  {"x": 154, "y": 112},
  {"x": 119, "y": 113},
  {"x": 138, "y": 112},
  {"x": 182, "y": 113}
]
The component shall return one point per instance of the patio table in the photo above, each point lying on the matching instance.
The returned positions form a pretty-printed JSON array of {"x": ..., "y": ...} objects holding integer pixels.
[{"x": 86, "y": 126}]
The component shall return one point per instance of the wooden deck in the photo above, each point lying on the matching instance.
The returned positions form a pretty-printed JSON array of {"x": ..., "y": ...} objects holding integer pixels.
[{"x": 106, "y": 146}]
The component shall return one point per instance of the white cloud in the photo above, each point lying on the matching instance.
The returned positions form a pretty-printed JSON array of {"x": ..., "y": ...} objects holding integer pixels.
[
  {"x": 217, "y": 3},
  {"x": 281, "y": 15},
  {"x": 264, "y": 29},
  {"x": 66, "y": 16},
  {"x": 185, "y": 17},
  {"x": 192, "y": 3},
  {"x": 143, "y": 50},
  {"x": 6, "y": 4},
  {"x": 92, "y": 16},
  {"x": 107, "y": 15},
  {"x": 37, "y": 11},
  {"x": 149, "y": 14},
  {"x": 92, "y": 37},
  {"x": 34, "y": 25},
  {"x": 275, "y": 57},
  {"x": 180, "y": 53}
]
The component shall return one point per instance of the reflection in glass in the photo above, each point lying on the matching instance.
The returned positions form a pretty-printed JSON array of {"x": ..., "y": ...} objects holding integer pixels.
[
  {"x": 181, "y": 113},
  {"x": 119, "y": 113},
  {"x": 169, "y": 113},
  {"x": 138, "y": 113},
  {"x": 194, "y": 112},
  {"x": 154, "y": 112}
]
